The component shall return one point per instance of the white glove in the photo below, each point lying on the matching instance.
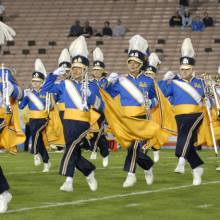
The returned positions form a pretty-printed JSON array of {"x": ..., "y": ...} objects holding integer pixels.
[
  {"x": 169, "y": 75},
  {"x": 59, "y": 71},
  {"x": 113, "y": 77},
  {"x": 26, "y": 91},
  {"x": 10, "y": 88}
]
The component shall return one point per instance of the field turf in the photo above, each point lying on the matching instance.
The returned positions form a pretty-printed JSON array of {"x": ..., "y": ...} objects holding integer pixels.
[{"x": 36, "y": 195}]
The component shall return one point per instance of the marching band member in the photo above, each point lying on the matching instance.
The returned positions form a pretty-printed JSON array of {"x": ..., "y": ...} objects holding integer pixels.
[
  {"x": 36, "y": 101},
  {"x": 99, "y": 139},
  {"x": 137, "y": 97},
  {"x": 151, "y": 71},
  {"x": 9, "y": 91},
  {"x": 79, "y": 95},
  {"x": 8, "y": 140},
  {"x": 65, "y": 62},
  {"x": 187, "y": 94}
]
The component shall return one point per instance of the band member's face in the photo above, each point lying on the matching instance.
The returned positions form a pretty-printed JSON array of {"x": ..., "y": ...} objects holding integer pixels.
[
  {"x": 134, "y": 67},
  {"x": 76, "y": 72},
  {"x": 97, "y": 74},
  {"x": 36, "y": 84},
  {"x": 186, "y": 73}
]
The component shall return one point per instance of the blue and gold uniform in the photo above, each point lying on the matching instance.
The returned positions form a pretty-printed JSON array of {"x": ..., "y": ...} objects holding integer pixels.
[
  {"x": 39, "y": 115},
  {"x": 38, "y": 121},
  {"x": 76, "y": 121},
  {"x": 78, "y": 98},
  {"x": 9, "y": 120},
  {"x": 98, "y": 139},
  {"x": 187, "y": 98},
  {"x": 187, "y": 103},
  {"x": 130, "y": 90}
]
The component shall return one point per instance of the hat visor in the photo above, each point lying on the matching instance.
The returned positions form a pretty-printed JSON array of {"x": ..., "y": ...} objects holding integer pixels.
[
  {"x": 98, "y": 68},
  {"x": 37, "y": 79},
  {"x": 78, "y": 65},
  {"x": 135, "y": 59},
  {"x": 149, "y": 72},
  {"x": 185, "y": 67}
]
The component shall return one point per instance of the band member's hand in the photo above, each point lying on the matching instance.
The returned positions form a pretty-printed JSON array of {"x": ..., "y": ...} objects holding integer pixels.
[
  {"x": 169, "y": 75},
  {"x": 59, "y": 71},
  {"x": 113, "y": 77},
  {"x": 26, "y": 91}
]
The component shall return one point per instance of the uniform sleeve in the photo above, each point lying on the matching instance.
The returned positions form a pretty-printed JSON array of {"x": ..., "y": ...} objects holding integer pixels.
[
  {"x": 24, "y": 102},
  {"x": 113, "y": 89},
  {"x": 51, "y": 86},
  {"x": 17, "y": 93},
  {"x": 166, "y": 87}
]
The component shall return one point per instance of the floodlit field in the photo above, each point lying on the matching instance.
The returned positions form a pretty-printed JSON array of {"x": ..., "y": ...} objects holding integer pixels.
[{"x": 36, "y": 195}]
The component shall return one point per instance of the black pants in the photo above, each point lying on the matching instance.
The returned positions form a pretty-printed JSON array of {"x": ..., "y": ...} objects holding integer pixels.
[
  {"x": 75, "y": 132},
  {"x": 100, "y": 141},
  {"x": 188, "y": 125},
  {"x": 136, "y": 156},
  {"x": 36, "y": 127},
  {"x": 28, "y": 135},
  {"x": 3, "y": 182}
]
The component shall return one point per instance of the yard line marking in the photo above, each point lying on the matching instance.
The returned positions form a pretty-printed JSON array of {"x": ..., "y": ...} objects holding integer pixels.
[
  {"x": 82, "y": 201},
  {"x": 132, "y": 205},
  {"x": 205, "y": 206}
]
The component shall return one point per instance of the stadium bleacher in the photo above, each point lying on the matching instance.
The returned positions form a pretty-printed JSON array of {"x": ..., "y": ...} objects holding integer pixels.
[{"x": 43, "y": 22}]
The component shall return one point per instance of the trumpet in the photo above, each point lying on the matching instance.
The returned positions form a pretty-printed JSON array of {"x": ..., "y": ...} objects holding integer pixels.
[
  {"x": 85, "y": 89},
  {"x": 5, "y": 90},
  {"x": 210, "y": 92}
]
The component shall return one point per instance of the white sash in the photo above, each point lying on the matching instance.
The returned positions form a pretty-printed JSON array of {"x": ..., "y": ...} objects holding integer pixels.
[
  {"x": 190, "y": 90},
  {"x": 218, "y": 91},
  {"x": 132, "y": 89},
  {"x": 74, "y": 94},
  {"x": 37, "y": 102}
]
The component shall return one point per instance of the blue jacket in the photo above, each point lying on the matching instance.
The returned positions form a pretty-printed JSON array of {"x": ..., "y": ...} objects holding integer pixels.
[{"x": 94, "y": 98}]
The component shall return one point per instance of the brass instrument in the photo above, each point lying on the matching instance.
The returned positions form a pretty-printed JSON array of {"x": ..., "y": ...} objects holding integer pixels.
[
  {"x": 85, "y": 89},
  {"x": 209, "y": 91},
  {"x": 5, "y": 90},
  {"x": 48, "y": 103},
  {"x": 147, "y": 105},
  {"x": 211, "y": 86}
]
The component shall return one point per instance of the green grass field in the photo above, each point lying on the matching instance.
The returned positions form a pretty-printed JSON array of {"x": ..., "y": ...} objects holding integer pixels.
[{"x": 36, "y": 195}]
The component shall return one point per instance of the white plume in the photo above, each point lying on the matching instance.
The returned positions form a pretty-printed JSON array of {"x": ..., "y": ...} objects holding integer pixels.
[
  {"x": 6, "y": 33},
  {"x": 79, "y": 47},
  {"x": 137, "y": 42},
  {"x": 39, "y": 67},
  {"x": 98, "y": 55},
  {"x": 64, "y": 56},
  {"x": 154, "y": 60},
  {"x": 187, "y": 48}
]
